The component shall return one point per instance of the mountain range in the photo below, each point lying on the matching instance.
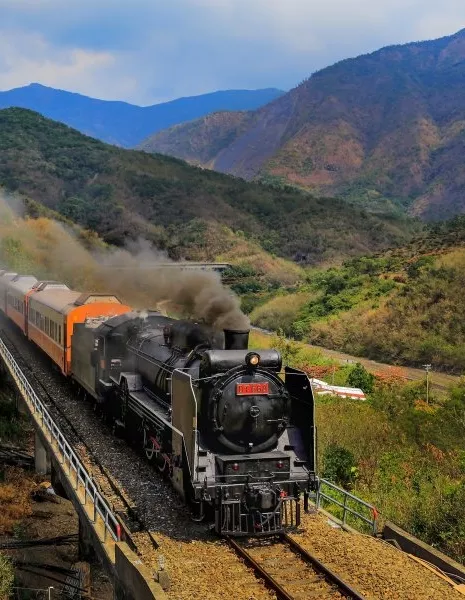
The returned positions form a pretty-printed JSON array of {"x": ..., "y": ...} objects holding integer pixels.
[
  {"x": 189, "y": 212},
  {"x": 386, "y": 125},
  {"x": 126, "y": 124}
]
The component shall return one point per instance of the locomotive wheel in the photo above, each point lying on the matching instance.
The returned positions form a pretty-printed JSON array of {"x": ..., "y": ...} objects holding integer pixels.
[
  {"x": 149, "y": 449},
  {"x": 162, "y": 466}
]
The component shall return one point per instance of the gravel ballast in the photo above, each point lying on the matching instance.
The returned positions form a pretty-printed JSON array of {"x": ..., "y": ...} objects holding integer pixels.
[{"x": 376, "y": 569}]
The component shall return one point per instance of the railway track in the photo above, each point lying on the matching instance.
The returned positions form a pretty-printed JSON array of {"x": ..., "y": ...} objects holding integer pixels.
[{"x": 290, "y": 571}]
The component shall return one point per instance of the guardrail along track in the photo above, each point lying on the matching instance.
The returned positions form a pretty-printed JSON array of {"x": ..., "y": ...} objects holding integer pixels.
[
  {"x": 290, "y": 571},
  {"x": 68, "y": 459},
  {"x": 105, "y": 483}
]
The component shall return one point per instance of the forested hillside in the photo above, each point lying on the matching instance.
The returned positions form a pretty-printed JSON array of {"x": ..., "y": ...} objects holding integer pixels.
[
  {"x": 388, "y": 124},
  {"x": 199, "y": 142},
  {"x": 403, "y": 306},
  {"x": 123, "y": 195}
]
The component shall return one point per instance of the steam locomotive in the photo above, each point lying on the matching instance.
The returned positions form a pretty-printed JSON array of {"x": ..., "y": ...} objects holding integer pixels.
[
  {"x": 233, "y": 432},
  {"x": 235, "y": 439}
]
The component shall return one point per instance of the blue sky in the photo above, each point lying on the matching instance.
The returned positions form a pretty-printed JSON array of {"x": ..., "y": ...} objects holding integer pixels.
[{"x": 147, "y": 51}]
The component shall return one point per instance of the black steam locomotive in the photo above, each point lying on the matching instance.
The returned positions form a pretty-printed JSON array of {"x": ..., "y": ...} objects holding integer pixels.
[{"x": 235, "y": 436}]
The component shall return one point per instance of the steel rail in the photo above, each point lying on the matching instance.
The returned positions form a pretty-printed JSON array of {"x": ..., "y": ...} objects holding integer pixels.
[
  {"x": 329, "y": 576},
  {"x": 269, "y": 579}
]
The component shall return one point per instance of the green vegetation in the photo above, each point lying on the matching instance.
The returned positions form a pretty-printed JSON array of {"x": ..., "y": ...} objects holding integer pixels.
[
  {"x": 359, "y": 377},
  {"x": 123, "y": 195},
  {"x": 420, "y": 321},
  {"x": 405, "y": 457},
  {"x": 13, "y": 425},
  {"x": 339, "y": 465},
  {"x": 293, "y": 353},
  {"x": 403, "y": 307},
  {"x": 7, "y": 577},
  {"x": 395, "y": 450}
]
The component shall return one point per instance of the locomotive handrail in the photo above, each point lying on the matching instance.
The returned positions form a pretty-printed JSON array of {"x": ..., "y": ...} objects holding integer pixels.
[
  {"x": 69, "y": 458},
  {"x": 371, "y": 521}
]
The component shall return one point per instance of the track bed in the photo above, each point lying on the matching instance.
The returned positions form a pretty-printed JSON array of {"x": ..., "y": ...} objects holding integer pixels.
[{"x": 291, "y": 571}]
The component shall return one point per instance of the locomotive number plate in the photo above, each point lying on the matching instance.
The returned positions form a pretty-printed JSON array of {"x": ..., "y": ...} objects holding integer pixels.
[{"x": 252, "y": 389}]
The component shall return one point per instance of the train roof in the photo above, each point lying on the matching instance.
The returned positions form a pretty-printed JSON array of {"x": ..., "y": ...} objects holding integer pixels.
[
  {"x": 50, "y": 285},
  {"x": 64, "y": 301},
  {"x": 22, "y": 283}
]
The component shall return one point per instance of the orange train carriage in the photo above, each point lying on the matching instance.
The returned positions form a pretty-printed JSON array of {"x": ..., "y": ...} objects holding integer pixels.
[
  {"x": 46, "y": 311},
  {"x": 53, "y": 313},
  {"x": 18, "y": 292}
]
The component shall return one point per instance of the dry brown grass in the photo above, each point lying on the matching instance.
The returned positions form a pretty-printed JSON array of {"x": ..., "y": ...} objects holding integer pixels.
[
  {"x": 15, "y": 498},
  {"x": 279, "y": 312},
  {"x": 247, "y": 252}
]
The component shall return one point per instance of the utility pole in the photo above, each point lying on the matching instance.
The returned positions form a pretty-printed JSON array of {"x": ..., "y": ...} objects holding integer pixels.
[{"x": 427, "y": 368}]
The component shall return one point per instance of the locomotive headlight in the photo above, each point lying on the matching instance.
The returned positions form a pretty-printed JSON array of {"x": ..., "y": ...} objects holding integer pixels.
[{"x": 252, "y": 359}]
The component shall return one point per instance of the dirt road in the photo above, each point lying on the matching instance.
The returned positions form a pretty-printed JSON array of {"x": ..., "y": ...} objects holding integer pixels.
[{"x": 438, "y": 380}]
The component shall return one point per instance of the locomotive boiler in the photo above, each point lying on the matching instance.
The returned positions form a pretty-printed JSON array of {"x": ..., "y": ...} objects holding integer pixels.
[{"x": 233, "y": 432}]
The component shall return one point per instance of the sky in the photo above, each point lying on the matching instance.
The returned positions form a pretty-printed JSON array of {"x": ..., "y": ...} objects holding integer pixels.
[{"x": 150, "y": 51}]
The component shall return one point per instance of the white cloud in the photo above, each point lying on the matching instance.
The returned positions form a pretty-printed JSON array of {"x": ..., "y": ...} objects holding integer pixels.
[{"x": 27, "y": 57}]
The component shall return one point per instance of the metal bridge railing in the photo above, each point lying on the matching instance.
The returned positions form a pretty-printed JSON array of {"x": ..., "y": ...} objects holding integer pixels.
[
  {"x": 68, "y": 458},
  {"x": 331, "y": 494}
]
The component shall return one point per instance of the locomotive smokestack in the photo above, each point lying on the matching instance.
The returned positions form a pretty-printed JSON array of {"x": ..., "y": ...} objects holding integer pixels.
[{"x": 236, "y": 339}]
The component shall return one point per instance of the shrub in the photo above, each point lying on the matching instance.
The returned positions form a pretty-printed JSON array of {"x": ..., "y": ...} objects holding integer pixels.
[
  {"x": 359, "y": 377},
  {"x": 339, "y": 465}
]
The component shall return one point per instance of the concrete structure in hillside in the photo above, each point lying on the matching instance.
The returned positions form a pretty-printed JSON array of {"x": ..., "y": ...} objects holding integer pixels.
[
  {"x": 321, "y": 388},
  {"x": 41, "y": 456},
  {"x": 182, "y": 266}
]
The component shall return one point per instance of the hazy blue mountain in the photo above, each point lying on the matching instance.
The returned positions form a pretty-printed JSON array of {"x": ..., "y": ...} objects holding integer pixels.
[
  {"x": 389, "y": 125},
  {"x": 126, "y": 124}
]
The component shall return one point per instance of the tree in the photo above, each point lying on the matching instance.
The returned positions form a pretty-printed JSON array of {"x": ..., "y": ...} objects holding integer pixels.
[
  {"x": 288, "y": 349},
  {"x": 339, "y": 465},
  {"x": 359, "y": 377}
]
